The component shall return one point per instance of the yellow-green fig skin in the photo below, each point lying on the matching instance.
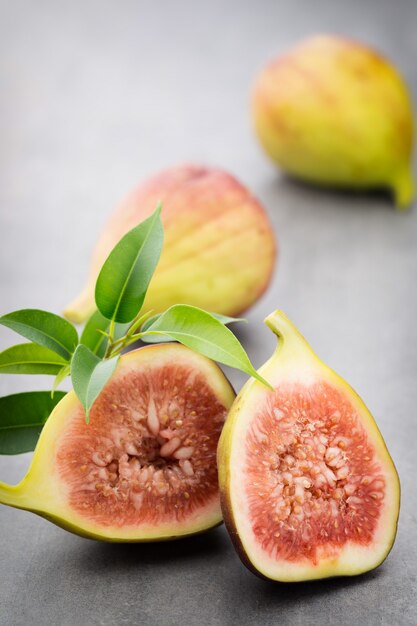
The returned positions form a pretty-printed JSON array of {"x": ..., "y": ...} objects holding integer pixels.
[
  {"x": 293, "y": 361},
  {"x": 219, "y": 246},
  {"x": 333, "y": 112},
  {"x": 43, "y": 491}
]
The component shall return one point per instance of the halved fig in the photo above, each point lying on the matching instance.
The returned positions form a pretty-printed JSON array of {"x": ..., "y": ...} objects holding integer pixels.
[
  {"x": 308, "y": 488},
  {"x": 144, "y": 468}
]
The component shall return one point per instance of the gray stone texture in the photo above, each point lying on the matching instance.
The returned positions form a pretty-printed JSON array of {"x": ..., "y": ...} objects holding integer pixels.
[{"x": 94, "y": 97}]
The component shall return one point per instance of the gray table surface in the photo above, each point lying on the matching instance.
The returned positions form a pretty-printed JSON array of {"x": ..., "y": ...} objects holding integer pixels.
[{"x": 97, "y": 95}]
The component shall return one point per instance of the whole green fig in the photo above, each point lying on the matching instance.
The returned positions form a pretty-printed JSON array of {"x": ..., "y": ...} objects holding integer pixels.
[{"x": 334, "y": 112}]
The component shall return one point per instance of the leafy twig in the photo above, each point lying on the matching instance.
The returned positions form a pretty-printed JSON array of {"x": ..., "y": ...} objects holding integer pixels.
[{"x": 119, "y": 322}]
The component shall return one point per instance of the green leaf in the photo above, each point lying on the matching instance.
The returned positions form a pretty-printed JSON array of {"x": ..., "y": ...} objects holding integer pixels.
[
  {"x": 62, "y": 374},
  {"x": 22, "y": 416},
  {"x": 29, "y": 358},
  {"x": 94, "y": 339},
  {"x": 203, "y": 333},
  {"x": 125, "y": 276},
  {"x": 224, "y": 319},
  {"x": 46, "y": 329},
  {"x": 89, "y": 374},
  {"x": 91, "y": 337}
]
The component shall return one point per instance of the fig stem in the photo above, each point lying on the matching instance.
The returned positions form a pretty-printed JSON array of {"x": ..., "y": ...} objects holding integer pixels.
[
  {"x": 278, "y": 322},
  {"x": 404, "y": 189},
  {"x": 11, "y": 495}
]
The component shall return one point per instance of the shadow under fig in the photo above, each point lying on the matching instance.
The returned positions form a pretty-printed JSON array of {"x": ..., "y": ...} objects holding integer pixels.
[
  {"x": 356, "y": 198},
  {"x": 137, "y": 555}
]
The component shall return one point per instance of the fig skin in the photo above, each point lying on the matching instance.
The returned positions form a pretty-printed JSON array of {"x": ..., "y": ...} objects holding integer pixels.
[
  {"x": 333, "y": 112},
  {"x": 219, "y": 250},
  {"x": 42, "y": 490},
  {"x": 294, "y": 360}
]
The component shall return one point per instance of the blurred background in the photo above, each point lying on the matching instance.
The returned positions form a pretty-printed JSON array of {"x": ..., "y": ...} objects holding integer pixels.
[{"x": 95, "y": 96}]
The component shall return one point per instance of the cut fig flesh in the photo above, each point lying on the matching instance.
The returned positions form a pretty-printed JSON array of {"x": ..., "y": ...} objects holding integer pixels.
[
  {"x": 308, "y": 487},
  {"x": 144, "y": 468}
]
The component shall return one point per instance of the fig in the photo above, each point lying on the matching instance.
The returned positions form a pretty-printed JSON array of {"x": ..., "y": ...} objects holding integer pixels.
[
  {"x": 308, "y": 488},
  {"x": 207, "y": 215},
  {"x": 334, "y": 112},
  {"x": 144, "y": 467}
]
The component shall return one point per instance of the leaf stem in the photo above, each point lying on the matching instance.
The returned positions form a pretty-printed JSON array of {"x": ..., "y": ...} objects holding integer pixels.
[
  {"x": 137, "y": 322},
  {"x": 110, "y": 336},
  {"x": 115, "y": 347},
  {"x": 103, "y": 332},
  {"x": 127, "y": 343}
]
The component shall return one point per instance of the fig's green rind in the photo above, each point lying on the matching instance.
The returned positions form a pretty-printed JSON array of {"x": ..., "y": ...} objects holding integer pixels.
[
  {"x": 224, "y": 466},
  {"x": 75, "y": 530},
  {"x": 37, "y": 490},
  {"x": 81, "y": 532}
]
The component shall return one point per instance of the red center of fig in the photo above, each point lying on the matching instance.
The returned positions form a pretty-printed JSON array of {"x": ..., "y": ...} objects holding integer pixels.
[
  {"x": 148, "y": 454},
  {"x": 313, "y": 482}
]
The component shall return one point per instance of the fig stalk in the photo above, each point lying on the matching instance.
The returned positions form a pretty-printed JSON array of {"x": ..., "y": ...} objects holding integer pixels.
[{"x": 404, "y": 189}]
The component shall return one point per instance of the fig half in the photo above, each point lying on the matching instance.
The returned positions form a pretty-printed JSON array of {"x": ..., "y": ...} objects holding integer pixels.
[
  {"x": 144, "y": 468},
  {"x": 308, "y": 488}
]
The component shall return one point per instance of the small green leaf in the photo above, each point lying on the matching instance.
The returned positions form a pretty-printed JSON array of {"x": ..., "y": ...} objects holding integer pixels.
[
  {"x": 125, "y": 276},
  {"x": 92, "y": 336},
  {"x": 83, "y": 364},
  {"x": 46, "y": 329},
  {"x": 203, "y": 333},
  {"x": 120, "y": 331},
  {"x": 22, "y": 416},
  {"x": 224, "y": 319},
  {"x": 29, "y": 358},
  {"x": 62, "y": 374},
  {"x": 89, "y": 374}
]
